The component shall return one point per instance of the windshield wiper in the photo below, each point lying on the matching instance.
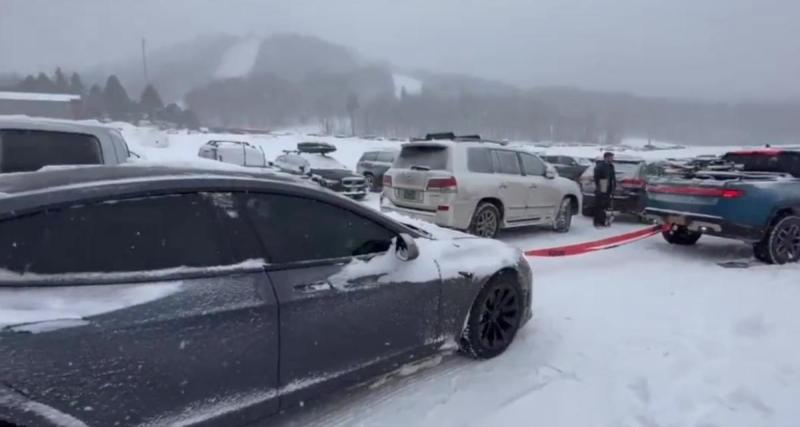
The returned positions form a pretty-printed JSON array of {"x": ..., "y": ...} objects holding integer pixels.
[{"x": 419, "y": 168}]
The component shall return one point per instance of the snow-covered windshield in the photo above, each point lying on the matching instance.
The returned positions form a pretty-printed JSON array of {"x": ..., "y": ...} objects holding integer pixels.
[{"x": 319, "y": 161}]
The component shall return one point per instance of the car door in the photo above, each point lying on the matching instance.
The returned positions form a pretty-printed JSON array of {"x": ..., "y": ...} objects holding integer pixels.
[
  {"x": 349, "y": 308},
  {"x": 543, "y": 194},
  {"x": 154, "y": 319},
  {"x": 366, "y": 164},
  {"x": 514, "y": 188}
]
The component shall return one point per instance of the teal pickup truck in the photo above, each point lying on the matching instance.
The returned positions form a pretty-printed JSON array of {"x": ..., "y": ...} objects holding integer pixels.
[{"x": 757, "y": 200}]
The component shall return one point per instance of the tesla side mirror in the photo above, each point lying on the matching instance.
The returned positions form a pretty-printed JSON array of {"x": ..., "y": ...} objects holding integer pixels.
[
  {"x": 550, "y": 172},
  {"x": 407, "y": 249}
]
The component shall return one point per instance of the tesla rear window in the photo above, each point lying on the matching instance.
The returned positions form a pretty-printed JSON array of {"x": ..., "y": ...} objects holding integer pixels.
[
  {"x": 425, "y": 156},
  {"x": 26, "y": 150}
]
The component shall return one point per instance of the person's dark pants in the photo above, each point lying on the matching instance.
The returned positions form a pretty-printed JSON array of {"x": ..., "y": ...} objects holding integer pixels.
[{"x": 601, "y": 205}]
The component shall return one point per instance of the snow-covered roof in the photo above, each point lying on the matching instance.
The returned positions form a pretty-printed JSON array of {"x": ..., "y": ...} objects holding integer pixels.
[{"x": 33, "y": 96}]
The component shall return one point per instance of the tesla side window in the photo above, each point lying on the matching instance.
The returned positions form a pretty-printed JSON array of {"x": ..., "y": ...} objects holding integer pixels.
[
  {"x": 297, "y": 229},
  {"x": 128, "y": 235}
]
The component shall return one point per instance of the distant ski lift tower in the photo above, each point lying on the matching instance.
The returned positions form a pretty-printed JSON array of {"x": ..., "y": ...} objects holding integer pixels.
[{"x": 144, "y": 61}]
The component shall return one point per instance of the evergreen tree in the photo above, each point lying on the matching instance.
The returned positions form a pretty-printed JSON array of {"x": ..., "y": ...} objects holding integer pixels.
[
  {"x": 115, "y": 99},
  {"x": 150, "y": 100},
  {"x": 76, "y": 84},
  {"x": 27, "y": 85},
  {"x": 60, "y": 81},
  {"x": 93, "y": 104},
  {"x": 190, "y": 120},
  {"x": 43, "y": 84}
]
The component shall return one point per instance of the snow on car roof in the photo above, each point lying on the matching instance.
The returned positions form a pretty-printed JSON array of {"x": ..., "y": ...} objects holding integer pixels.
[
  {"x": 101, "y": 175},
  {"x": 320, "y": 161}
]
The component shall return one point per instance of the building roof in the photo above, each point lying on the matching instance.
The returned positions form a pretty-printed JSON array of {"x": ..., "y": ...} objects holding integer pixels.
[{"x": 34, "y": 96}]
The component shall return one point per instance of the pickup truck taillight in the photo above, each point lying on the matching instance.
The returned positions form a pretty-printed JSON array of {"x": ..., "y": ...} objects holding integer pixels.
[
  {"x": 722, "y": 193},
  {"x": 448, "y": 184},
  {"x": 632, "y": 183},
  {"x": 387, "y": 180}
]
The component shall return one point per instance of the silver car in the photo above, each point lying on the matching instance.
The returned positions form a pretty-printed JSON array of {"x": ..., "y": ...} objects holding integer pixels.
[{"x": 478, "y": 186}]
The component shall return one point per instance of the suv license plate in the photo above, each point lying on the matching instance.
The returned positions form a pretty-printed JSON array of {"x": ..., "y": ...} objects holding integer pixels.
[{"x": 410, "y": 195}]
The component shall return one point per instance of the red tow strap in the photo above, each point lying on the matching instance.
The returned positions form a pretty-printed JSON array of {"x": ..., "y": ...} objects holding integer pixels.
[{"x": 597, "y": 245}]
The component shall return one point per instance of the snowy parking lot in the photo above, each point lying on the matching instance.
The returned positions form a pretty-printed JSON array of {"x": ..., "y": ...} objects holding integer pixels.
[{"x": 647, "y": 334}]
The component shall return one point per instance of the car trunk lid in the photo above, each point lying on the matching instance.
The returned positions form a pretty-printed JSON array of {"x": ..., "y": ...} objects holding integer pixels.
[{"x": 421, "y": 175}]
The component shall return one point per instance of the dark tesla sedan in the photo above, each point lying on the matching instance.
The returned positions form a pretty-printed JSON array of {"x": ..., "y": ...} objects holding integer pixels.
[{"x": 143, "y": 295}]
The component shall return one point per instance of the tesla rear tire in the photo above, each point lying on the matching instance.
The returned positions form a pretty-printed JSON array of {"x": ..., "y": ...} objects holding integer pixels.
[
  {"x": 494, "y": 319},
  {"x": 485, "y": 221},
  {"x": 681, "y": 236}
]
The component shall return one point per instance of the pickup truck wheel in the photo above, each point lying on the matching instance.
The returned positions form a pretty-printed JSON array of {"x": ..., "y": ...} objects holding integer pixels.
[
  {"x": 681, "y": 236},
  {"x": 485, "y": 221},
  {"x": 782, "y": 242},
  {"x": 563, "y": 220}
]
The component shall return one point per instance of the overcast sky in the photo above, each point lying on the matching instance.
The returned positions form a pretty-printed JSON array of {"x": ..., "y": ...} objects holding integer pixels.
[{"x": 712, "y": 49}]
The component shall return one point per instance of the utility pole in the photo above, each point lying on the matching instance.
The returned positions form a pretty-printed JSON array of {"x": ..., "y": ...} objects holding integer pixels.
[{"x": 144, "y": 61}]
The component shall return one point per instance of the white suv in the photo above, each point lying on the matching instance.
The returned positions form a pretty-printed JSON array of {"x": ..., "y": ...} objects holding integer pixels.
[{"x": 478, "y": 186}]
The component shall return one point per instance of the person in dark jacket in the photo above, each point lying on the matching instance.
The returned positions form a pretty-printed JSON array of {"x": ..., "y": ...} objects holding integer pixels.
[{"x": 605, "y": 180}]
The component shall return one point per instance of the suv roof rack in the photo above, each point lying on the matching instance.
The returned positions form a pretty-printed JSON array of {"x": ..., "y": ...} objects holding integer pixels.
[{"x": 450, "y": 136}]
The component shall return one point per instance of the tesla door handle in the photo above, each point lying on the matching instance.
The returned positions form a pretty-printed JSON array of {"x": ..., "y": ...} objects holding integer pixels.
[
  {"x": 534, "y": 186},
  {"x": 310, "y": 288}
]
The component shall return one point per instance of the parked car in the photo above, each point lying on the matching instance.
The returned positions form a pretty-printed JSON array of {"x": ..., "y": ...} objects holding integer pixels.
[
  {"x": 162, "y": 296},
  {"x": 568, "y": 166},
  {"x": 629, "y": 195},
  {"x": 240, "y": 153},
  {"x": 478, "y": 186},
  {"x": 30, "y": 144},
  {"x": 312, "y": 159},
  {"x": 756, "y": 201},
  {"x": 373, "y": 164}
]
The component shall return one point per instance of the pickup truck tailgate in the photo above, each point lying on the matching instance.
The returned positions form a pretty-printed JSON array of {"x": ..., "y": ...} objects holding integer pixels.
[{"x": 718, "y": 202}]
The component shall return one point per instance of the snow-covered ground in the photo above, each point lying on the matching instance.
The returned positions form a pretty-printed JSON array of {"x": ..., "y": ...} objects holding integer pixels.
[{"x": 646, "y": 334}]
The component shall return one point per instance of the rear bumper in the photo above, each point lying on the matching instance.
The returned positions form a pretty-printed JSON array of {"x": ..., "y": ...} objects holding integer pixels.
[
  {"x": 707, "y": 224},
  {"x": 451, "y": 218}
]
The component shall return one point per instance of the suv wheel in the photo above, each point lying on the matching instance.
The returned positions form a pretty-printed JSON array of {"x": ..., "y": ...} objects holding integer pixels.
[
  {"x": 563, "y": 220},
  {"x": 493, "y": 320},
  {"x": 370, "y": 181},
  {"x": 781, "y": 245},
  {"x": 681, "y": 236},
  {"x": 485, "y": 221}
]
